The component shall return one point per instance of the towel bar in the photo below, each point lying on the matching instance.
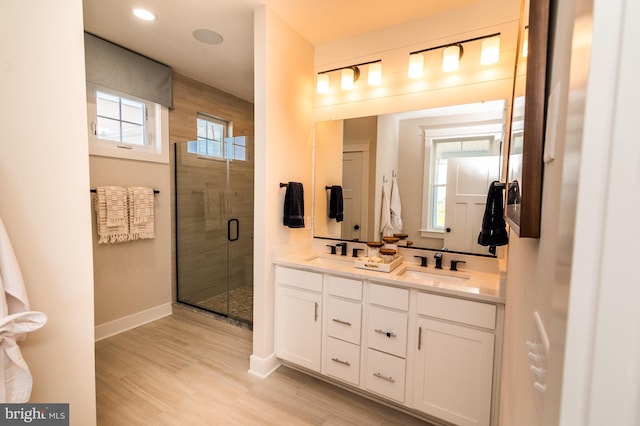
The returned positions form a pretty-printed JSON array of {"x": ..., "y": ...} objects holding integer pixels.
[
  {"x": 283, "y": 185},
  {"x": 155, "y": 191}
]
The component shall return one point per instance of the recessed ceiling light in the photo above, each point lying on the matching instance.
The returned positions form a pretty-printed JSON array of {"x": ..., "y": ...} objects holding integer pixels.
[
  {"x": 145, "y": 14},
  {"x": 207, "y": 36}
]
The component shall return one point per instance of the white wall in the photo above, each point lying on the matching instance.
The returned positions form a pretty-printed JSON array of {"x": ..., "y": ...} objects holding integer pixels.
[
  {"x": 283, "y": 123},
  {"x": 397, "y": 93},
  {"x": 45, "y": 202}
]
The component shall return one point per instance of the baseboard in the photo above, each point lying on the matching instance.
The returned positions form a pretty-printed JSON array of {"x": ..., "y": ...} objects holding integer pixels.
[
  {"x": 263, "y": 367},
  {"x": 120, "y": 325}
]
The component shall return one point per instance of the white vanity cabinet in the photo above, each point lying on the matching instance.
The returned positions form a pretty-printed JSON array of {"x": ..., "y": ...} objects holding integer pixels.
[
  {"x": 434, "y": 353},
  {"x": 298, "y": 317},
  {"x": 454, "y": 359}
]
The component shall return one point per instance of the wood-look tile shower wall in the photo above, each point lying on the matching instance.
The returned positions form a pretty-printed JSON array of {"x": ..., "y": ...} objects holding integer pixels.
[{"x": 191, "y": 97}]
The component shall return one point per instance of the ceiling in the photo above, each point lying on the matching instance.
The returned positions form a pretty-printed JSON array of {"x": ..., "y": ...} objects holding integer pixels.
[{"x": 229, "y": 66}]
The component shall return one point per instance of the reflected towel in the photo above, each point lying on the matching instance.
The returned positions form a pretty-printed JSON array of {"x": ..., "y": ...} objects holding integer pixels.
[
  {"x": 494, "y": 228},
  {"x": 141, "y": 213},
  {"x": 336, "y": 203},
  {"x": 15, "y": 321},
  {"x": 385, "y": 215},
  {"x": 118, "y": 233},
  {"x": 395, "y": 207},
  {"x": 293, "y": 216}
]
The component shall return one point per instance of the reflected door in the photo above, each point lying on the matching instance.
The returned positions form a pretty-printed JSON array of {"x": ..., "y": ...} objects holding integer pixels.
[
  {"x": 468, "y": 181},
  {"x": 352, "y": 193}
]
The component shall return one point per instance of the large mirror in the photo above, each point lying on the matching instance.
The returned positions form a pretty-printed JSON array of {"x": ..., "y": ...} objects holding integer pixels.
[{"x": 440, "y": 161}]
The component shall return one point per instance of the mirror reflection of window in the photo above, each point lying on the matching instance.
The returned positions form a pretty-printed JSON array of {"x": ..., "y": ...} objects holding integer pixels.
[{"x": 445, "y": 149}]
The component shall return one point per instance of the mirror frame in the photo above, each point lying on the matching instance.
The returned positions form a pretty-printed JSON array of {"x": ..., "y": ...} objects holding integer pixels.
[{"x": 526, "y": 222}]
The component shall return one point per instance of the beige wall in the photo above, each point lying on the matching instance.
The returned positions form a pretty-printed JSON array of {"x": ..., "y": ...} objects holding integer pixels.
[
  {"x": 45, "y": 202},
  {"x": 284, "y": 87},
  {"x": 135, "y": 276},
  {"x": 327, "y": 172}
]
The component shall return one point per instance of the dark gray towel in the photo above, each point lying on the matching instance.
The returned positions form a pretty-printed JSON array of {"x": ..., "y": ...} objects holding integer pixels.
[
  {"x": 336, "y": 204},
  {"x": 294, "y": 206},
  {"x": 494, "y": 228}
]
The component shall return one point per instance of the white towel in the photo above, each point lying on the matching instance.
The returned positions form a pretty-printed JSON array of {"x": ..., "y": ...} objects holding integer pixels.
[
  {"x": 141, "y": 213},
  {"x": 385, "y": 215},
  {"x": 118, "y": 233},
  {"x": 15, "y": 321},
  {"x": 396, "y": 208}
]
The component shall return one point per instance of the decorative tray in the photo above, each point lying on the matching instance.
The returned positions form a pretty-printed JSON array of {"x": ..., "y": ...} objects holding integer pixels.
[{"x": 366, "y": 263}]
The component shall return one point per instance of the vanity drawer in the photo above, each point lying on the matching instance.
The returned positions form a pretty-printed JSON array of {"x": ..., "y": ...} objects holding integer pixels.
[
  {"x": 385, "y": 375},
  {"x": 344, "y": 319},
  {"x": 387, "y": 331},
  {"x": 391, "y": 297},
  {"x": 458, "y": 310},
  {"x": 298, "y": 278},
  {"x": 344, "y": 287},
  {"x": 343, "y": 360}
]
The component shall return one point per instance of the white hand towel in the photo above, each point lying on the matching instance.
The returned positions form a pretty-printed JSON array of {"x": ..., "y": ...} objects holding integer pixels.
[
  {"x": 141, "y": 213},
  {"x": 396, "y": 208},
  {"x": 385, "y": 215},
  {"x": 15, "y": 321}
]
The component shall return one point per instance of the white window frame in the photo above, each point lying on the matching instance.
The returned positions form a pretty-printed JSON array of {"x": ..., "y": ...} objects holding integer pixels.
[
  {"x": 156, "y": 148},
  {"x": 431, "y": 136}
]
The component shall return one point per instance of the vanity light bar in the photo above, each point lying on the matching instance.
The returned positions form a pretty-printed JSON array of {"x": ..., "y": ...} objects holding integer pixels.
[
  {"x": 416, "y": 59},
  {"x": 349, "y": 75}
]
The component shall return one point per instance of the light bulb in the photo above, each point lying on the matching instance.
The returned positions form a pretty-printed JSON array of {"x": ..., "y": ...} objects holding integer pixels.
[
  {"x": 490, "y": 51},
  {"x": 450, "y": 58},
  {"x": 322, "y": 84},
  {"x": 346, "y": 81},
  {"x": 416, "y": 65},
  {"x": 374, "y": 77},
  {"x": 144, "y": 14}
]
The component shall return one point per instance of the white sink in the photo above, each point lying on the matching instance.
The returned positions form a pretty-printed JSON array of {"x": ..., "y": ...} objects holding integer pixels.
[
  {"x": 331, "y": 261},
  {"x": 436, "y": 275}
]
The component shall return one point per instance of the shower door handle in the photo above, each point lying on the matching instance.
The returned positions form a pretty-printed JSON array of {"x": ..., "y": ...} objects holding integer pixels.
[{"x": 229, "y": 222}]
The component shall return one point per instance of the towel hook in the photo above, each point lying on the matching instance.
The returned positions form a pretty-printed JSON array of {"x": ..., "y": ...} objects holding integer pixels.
[
  {"x": 393, "y": 173},
  {"x": 384, "y": 179}
]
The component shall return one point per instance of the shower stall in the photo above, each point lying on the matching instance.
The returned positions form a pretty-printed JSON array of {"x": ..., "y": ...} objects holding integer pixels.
[{"x": 214, "y": 227}]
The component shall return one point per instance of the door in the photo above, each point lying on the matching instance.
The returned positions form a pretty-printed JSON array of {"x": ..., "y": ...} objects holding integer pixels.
[
  {"x": 298, "y": 327},
  {"x": 454, "y": 370},
  {"x": 352, "y": 193},
  {"x": 468, "y": 181},
  {"x": 214, "y": 230}
]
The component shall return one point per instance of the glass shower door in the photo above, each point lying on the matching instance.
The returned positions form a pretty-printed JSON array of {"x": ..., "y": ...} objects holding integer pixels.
[{"x": 214, "y": 231}]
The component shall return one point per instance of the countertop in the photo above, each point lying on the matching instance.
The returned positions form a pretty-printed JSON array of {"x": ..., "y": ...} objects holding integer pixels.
[{"x": 473, "y": 285}]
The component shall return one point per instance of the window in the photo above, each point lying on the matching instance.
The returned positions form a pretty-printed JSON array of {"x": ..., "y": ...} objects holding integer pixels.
[
  {"x": 120, "y": 119},
  {"x": 214, "y": 140},
  {"x": 124, "y": 126},
  {"x": 443, "y": 150}
]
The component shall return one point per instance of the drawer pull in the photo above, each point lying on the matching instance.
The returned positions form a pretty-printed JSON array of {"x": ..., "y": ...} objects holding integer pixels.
[
  {"x": 382, "y": 376},
  {"x": 389, "y": 334},
  {"x": 339, "y": 321},
  {"x": 316, "y": 313},
  {"x": 419, "y": 337},
  {"x": 338, "y": 360}
]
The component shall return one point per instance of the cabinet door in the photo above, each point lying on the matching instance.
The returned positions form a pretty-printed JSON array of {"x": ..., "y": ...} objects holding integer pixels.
[
  {"x": 298, "y": 327},
  {"x": 454, "y": 370}
]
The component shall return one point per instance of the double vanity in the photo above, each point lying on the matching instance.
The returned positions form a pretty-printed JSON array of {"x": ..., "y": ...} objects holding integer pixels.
[{"x": 422, "y": 339}]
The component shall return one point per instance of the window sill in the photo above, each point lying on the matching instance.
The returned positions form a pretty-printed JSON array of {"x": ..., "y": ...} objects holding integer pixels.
[{"x": 432, "y": 234}]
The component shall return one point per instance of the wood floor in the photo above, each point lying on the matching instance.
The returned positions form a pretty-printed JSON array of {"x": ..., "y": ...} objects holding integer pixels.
[{"x": 176, "y": 371}]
